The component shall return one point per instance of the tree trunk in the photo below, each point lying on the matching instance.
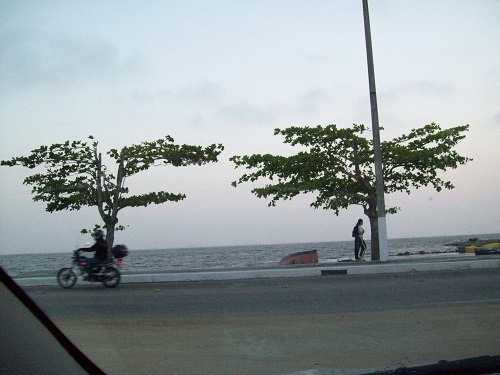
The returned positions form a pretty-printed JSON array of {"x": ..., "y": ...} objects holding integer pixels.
[{"x": 110, "y": 238}]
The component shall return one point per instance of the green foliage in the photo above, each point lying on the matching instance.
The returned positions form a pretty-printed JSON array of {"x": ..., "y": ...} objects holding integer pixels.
[
  {"x": 415, "y": 159},
  {"x": 337, "y": 166},
  {"x": 97, "y": 226},
  {"x": 68, "y": 179},
  {"x": 74, "y": 175}
]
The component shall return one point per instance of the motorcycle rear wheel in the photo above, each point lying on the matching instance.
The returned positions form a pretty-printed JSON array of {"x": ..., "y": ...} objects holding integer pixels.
[
  {"x": 66, "y": 278},
  {"x": 111, "y": 277}
]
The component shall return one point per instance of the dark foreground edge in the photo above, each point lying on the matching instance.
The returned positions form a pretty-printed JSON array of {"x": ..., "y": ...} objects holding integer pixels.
[
  {"x": 28, "y": 334},
  {"x": 477, "y": 365}
]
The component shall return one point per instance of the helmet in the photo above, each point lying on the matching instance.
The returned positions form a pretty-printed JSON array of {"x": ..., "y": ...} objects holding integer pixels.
[{"x": 99, "y": 233}]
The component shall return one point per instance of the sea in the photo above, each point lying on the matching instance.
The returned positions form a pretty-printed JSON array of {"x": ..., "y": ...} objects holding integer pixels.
[{"x": 239, "y": 257}]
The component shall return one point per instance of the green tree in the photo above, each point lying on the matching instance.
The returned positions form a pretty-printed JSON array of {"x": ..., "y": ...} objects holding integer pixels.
[
  {"x": 74, "y": 175},
  {"x": 337, "y": 165}
]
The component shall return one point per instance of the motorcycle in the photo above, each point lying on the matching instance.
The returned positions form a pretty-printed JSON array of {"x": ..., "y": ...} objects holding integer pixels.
[{"x": 107, "y": 272}]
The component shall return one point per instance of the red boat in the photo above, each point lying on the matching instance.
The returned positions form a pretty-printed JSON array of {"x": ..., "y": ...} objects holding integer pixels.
[{"x": 303, "y": 257}]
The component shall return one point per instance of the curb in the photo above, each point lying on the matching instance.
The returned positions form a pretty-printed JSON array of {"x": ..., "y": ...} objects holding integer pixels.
[{"x": 282, "y": 272}]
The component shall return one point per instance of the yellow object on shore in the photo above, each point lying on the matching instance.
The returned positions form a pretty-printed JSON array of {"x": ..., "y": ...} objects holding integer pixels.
[{"x": 494, "y": 245}]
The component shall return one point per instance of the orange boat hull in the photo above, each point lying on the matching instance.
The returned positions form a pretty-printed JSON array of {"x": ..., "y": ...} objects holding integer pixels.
[{"x": 304, "y": 257}]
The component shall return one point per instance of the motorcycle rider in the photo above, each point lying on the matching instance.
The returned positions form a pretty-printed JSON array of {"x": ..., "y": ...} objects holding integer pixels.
[{"x": 101, "y": 252}]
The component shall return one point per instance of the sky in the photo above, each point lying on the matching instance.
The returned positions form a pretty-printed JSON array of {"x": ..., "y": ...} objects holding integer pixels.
[{"x": 231, "y": 72}]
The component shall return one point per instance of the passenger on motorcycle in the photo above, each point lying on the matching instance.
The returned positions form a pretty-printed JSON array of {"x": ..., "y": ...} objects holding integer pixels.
[{"x": 101, "y": 252}]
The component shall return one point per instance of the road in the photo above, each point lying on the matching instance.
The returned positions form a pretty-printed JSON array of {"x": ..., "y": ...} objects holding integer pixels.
[{"x": 280, "y": 326}]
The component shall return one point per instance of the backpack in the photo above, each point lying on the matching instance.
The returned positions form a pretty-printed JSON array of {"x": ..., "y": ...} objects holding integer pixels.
[{"x": 355, "y": 231}]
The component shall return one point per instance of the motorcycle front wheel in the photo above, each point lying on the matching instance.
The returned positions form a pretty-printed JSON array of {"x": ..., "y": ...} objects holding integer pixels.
[
  {"x": 66, "y": 278},
  {"x": 111, "y": 277}
]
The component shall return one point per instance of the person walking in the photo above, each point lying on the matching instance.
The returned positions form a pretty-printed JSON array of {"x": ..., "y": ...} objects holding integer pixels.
[{"x": 359, "y": 242}]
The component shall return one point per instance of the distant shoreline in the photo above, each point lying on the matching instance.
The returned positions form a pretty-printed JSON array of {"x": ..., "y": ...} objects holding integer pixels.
[{"x": 466, "y": 238}]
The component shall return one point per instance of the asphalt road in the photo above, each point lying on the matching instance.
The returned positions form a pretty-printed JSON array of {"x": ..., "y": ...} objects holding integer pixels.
[
  {"x": 281, "y": 326},
  {"x": 266, "y": 297}
]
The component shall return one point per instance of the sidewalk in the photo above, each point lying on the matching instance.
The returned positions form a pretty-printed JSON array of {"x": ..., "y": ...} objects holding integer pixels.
[{"x": 458, "y": 262}]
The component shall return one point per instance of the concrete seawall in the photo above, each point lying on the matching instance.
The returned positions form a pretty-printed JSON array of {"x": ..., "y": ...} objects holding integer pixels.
[{"x": 347, "y": 268}]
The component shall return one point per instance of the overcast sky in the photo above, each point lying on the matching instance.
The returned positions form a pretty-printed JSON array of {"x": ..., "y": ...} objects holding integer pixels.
[{"x": 230, "y": 72}]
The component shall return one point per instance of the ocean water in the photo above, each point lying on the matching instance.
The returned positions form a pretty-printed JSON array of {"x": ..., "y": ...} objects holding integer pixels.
[{"x": 251, "y": 256}]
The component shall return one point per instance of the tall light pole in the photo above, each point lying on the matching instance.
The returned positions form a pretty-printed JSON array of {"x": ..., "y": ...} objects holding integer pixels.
[{"x": 379, "y": 179}]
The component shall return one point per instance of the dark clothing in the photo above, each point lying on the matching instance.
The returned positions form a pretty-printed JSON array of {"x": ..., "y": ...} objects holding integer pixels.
[
  {"x": 101, "y": 253},
  {"x": 100, "y": 248},
  {"x": 359, "y": 247},
  {"x": 359, "y": 242},
  {"x": 90, "y": 263}
]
